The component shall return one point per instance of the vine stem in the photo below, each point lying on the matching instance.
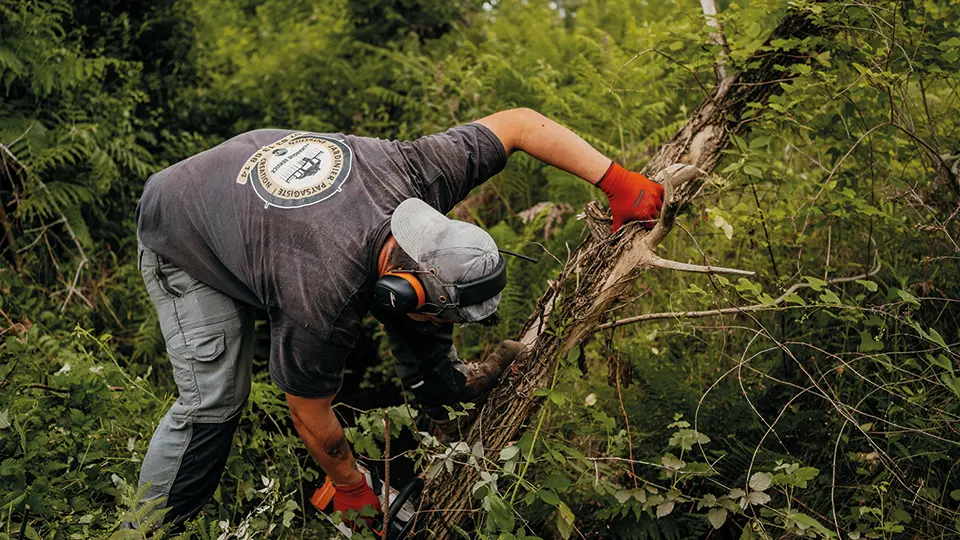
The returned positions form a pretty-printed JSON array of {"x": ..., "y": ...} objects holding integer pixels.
[
  {"x": 536, "y": 433},
  {"x": 386, "y": 475},
  {"x": 623, "y": 409}
]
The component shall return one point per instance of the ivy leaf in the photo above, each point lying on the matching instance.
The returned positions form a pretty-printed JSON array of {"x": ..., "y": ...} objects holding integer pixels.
[
  {"x": 744, "y": 284},
  {"x": 760, "y": 481},
  {"x": 830, "y": 297},
  {"x": 794, "y": 298},
  {"x": 907, "y": 297},
  {"x": 871, "y": 286},
  {"x": 868, "y": 344},
  {"x": 815, "y": 283},
  {"x": 717, "y": 517}
]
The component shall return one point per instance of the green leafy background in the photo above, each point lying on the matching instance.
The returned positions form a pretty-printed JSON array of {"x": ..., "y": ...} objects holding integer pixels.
[{"x": 832, "y": 413}]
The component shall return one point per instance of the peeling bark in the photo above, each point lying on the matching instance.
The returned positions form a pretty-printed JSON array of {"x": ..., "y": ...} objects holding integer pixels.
[{"x": 601, "y": 270}]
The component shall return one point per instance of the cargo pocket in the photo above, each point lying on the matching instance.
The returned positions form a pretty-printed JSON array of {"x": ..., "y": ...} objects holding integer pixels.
[
  {"x": 208, "y": 348},
  {"x": 215, "y": 374},
  {"x": 197, "y": 371}
]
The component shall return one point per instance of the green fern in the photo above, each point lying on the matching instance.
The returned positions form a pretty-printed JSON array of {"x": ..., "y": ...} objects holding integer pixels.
[{"x": 146, "y": 517}]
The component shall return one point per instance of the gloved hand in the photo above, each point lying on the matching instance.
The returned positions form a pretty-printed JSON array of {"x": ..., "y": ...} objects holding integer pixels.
[
  {"x": 632, "y": 196},
  {"x": 355, "y": 497},
  {"x": 508, "y": 351}
]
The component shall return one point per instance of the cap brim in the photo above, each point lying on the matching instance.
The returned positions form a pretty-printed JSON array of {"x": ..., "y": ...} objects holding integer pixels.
[
  {"x": 481, "y": 311},
  {"x": 410, "y": 221}
]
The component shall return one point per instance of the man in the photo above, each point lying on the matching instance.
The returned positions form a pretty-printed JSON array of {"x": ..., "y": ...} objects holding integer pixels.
[{"x": 315, "y": 229}]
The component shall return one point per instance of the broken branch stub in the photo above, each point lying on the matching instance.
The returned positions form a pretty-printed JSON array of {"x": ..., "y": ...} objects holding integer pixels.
[{"x": 673, "y": 178}]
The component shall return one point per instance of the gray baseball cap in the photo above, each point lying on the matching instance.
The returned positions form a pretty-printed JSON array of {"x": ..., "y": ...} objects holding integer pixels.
[{"x": 450, "y": 252}]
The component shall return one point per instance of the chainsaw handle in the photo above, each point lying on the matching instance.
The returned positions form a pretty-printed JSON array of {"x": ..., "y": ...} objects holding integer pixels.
[{"x": 412, "y": 489}]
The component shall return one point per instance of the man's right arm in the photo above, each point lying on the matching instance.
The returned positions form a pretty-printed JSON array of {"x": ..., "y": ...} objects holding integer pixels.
[{"x": 320, "y": 430}]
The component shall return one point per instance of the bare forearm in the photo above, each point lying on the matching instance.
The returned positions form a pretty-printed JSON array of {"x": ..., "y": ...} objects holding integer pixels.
[
  {"x": 321, "y": 433},
  {"x": 548, "y": 141},
  {"x": 334, "y": 455}
]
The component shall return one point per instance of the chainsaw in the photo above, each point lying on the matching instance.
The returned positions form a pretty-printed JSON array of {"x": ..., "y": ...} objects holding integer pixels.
[{"x": 401, "y": 511}]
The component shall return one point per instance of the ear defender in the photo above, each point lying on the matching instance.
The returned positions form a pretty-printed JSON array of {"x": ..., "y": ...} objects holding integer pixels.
[{"x": 399, "y": 292}]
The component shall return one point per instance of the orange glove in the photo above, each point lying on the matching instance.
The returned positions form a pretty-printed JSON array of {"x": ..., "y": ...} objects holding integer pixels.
[
  {"x": 632, "y": 196},
  {"x": 355, "y": 497}
]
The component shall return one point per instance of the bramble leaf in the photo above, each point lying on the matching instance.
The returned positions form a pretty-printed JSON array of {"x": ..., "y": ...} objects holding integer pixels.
[{"x": 717, "y": 517}]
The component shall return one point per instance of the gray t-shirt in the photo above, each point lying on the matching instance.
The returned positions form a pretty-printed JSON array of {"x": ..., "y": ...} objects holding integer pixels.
[{"x": 293, "y": 222}]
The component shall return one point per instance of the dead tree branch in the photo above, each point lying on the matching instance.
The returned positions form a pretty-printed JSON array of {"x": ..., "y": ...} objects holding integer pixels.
[{"x": 736, "y": 309}]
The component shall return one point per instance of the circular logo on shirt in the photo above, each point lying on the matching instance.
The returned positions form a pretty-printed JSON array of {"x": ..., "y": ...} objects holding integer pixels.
[{"x": 298, "y": 170}]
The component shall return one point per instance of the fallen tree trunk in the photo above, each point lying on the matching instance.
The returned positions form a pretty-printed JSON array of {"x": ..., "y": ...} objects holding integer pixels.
[{"x": 602, "y": 269}]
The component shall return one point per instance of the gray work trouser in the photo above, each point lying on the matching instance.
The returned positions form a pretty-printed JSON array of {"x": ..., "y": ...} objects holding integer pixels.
[{"x": 209, "y": 340}]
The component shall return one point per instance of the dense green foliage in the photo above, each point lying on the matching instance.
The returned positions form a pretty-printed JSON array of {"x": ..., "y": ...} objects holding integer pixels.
[{"x": 833, "y": 411}]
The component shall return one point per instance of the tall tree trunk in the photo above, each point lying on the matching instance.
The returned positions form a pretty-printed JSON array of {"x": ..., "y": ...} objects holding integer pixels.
[{"x": 601, "y": 270}]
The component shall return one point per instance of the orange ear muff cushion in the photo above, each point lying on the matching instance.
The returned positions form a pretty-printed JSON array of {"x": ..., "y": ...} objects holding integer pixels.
[{"x": 415, "y": 283}]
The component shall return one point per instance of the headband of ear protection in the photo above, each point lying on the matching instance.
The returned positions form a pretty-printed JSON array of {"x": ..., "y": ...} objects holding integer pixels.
[{"x": 400, "y": 291}]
